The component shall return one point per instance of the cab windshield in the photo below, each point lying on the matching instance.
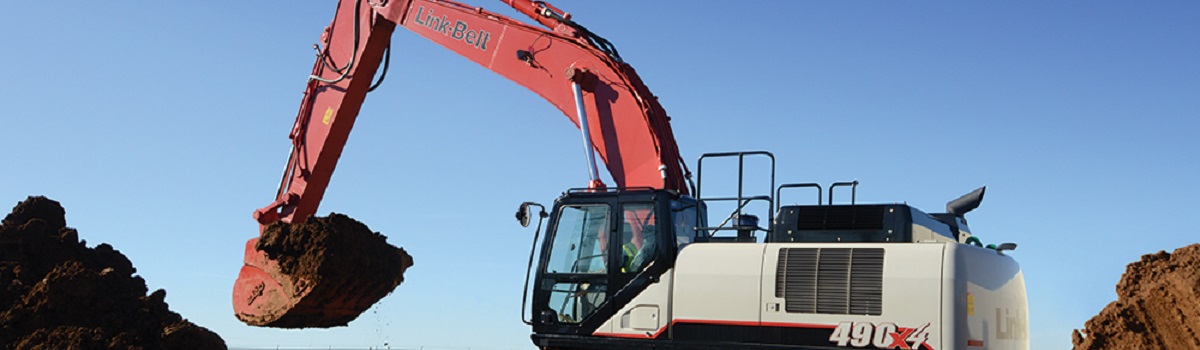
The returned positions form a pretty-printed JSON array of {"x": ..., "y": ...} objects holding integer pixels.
[{"x": 580, "y": 240}]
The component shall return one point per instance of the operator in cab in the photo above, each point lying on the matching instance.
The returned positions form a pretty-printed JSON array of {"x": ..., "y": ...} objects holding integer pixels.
[{"x": 638, "y": 233}]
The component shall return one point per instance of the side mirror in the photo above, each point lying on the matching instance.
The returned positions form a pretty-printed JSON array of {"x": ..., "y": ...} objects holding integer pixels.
[
  {"x": 1006, "y": 246},
  {"x": 523, "y": 214}
]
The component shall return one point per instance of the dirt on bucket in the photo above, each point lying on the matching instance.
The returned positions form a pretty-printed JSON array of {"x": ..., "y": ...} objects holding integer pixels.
[
  {"x": 56, "y": 293},
  {"x": 334, "y": 268},
  {"x": 1157, "y": 307}
]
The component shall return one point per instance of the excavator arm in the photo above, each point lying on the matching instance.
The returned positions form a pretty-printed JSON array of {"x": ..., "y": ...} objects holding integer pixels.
[
  {"x": 629, "y": 130},
  {"x": 577, "y": 71}
]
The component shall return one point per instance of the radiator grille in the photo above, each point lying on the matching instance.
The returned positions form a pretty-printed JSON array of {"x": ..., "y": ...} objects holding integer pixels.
[{"x": 840, "y": 281}]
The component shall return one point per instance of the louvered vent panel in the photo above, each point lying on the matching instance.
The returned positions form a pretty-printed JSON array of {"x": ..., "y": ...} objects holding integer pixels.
[
  {"x": 866, "y": 282},
  {"x": 798, "y": 279},
  {"x": 840, "y": 281},
  {"x": 832, "y": 217}
]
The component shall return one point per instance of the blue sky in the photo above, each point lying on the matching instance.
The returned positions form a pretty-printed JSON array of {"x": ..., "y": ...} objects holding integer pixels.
[{"x": 161, "y": 126}]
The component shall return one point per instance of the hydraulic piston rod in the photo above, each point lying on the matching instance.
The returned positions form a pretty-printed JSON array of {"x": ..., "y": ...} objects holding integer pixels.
[{"x": 581, "y": 112}]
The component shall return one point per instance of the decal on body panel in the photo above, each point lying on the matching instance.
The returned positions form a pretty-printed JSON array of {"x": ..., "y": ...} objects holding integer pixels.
[{"x": 884, "y": 335}]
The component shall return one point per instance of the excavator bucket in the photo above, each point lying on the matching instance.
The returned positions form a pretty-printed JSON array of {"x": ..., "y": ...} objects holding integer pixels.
[{"x": 321, "y": 273}]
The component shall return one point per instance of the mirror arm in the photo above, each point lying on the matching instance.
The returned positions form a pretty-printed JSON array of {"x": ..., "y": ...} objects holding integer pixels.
[{"x": 522, "y": 214}]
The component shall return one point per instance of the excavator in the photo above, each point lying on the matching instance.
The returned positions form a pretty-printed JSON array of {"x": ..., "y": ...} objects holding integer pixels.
[{"x": 637, "y": 264}]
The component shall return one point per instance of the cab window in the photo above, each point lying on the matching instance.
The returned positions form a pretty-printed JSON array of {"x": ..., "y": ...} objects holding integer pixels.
[
  {"x": 683, "y": 218},
  {"x": 580, "y": 240},
  {"x": 639, "y": 236}
]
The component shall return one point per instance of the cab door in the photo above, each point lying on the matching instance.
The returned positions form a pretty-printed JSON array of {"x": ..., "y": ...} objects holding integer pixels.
[{"x": 573, "y": 277}]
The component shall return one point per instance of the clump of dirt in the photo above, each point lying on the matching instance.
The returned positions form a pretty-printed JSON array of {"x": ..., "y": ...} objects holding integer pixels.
[
  {"x": 344, "y": 265},
  {"x": 1157, "y": 307},
  {"x": 56, "y": 293}
]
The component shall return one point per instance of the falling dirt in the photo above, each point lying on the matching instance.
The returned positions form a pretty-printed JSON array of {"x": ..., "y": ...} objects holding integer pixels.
[
  {"x": 1157, "y": 307},
  {"x": 346, "y": 266},
  {"x": 56, "y": 293}
]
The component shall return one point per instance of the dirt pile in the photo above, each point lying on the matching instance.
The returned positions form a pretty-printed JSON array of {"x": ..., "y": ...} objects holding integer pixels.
[
  {"x": 1157, "y": 307},
  {"x": 334, "y": 268},
  {"x": 56, "y": 293}
]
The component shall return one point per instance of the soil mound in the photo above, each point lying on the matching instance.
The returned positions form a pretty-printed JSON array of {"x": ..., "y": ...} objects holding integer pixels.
[
  {"x": 56, "y": 293},
  {"x": 335, "y": 266},
  {"x": 1157, "y": 307}
]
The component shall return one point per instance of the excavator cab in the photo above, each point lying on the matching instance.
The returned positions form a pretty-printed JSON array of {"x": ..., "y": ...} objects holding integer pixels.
[{"x": 601, "y": 248}]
